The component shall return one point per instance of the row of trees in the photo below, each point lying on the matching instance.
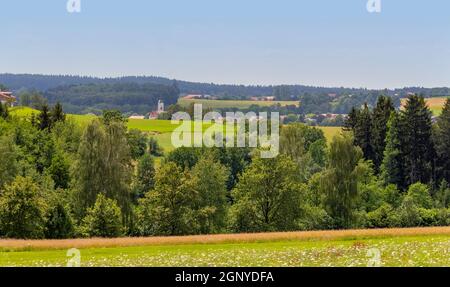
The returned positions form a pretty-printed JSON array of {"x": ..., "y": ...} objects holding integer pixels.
[
  {"x": 59, "y": 179},
  {"x": 405, "y": 146}
]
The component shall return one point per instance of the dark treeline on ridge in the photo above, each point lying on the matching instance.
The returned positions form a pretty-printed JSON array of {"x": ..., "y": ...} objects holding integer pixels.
[{"x": 77, "y": 93}]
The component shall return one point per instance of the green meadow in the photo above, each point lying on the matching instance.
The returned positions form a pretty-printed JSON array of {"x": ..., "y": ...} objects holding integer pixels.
[
  {"x": 389, "y": 251},
  {"x": 160, "y": 129}
]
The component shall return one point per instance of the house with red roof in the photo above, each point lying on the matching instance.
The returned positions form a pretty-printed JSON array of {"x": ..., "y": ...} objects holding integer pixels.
[{"x": 7, "y": 98}]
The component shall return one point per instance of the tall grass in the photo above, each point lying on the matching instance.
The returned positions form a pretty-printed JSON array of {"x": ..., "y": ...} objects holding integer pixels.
[{"x": 13, "y": 244}]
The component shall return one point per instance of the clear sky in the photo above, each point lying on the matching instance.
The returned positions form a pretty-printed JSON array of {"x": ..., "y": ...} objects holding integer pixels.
[{"x": 315, "y": 42}]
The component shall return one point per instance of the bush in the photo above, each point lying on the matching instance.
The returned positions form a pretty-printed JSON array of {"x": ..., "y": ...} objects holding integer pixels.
[
  {"x": 409, "y": 214},
  {"x": 429, "y": 217},
  {"x": 58, "y": 223},
  {"x": 154, "y": 148},
  {"x": 104, "y": 219},
  {"x": 22, "y": 210},
  {"x": 420, "y": 195},
  {"x": 392, "y": 196},
  {"x": 145, "y": 177},
  {"x": 381, "y": 217},
  {"x": 315, "y": 218},
  {"x": 137, "y": 141}
]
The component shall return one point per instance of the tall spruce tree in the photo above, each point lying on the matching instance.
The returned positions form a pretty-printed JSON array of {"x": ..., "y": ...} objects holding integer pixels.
[
  {"x": 393, "y": 166},
  {"x": 442, "y": 141},
  {"x": 418, "y": 149},
  {"x": 350, "y": 122},
  {"x": 363, "y": 132},
  {"x": 380, "y": 118},
  {"x": 57, "y": 113},
  {"x": 44, "y": 119}
]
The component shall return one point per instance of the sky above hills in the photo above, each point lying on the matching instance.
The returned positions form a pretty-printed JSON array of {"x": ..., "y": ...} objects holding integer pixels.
[{"x": 316, "y": 42}]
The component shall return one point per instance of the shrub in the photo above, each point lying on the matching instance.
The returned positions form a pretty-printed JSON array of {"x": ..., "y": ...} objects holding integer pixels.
[
  {"x": 137, "y": 141},
  {"x": 315, "y": 218},
  {"x": 154, "y": 148},
  {"x": 381, "y": 217},
  {"x": 58, "y": 223},
  {"x": 104, "y": 219},
  {"x": 145, "y": 177},
  {"x": 429, "y": 217},
  {"x": 22, "y": 210},
  {"x": 409, "y": 214},
  {"x": 391, "y": 195},
  {"x": 420, "y": 195}
]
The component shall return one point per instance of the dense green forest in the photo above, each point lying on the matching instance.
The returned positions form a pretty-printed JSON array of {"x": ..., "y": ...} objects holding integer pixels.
[
  {"x": 125, "y": 97},
  {"x": 77, "y": 94},
  {"x": 388, "y": 168}
]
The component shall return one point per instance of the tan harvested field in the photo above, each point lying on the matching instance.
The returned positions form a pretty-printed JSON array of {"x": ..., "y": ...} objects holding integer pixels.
[
  {"x": 11, "y": 244},
  {"x": 435, "y": 104}
]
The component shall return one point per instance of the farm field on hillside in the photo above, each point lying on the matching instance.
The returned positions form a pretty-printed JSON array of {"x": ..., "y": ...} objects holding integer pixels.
[
  {"x": 393, "y": 247},
  {"x": 435, "y": 104},
  {"x": 160, "y": 129},
  {"x": 330, "y": 132},
  {"x": 233, "y": 104}
]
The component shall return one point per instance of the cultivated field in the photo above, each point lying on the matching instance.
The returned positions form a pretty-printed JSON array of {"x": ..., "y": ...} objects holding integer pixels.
[
  {"x": 435, "y": 104},
  {"x": 160, "y": 129},
  {"x": 233, "y": 104},
  {"x": 385, "y": 247}
]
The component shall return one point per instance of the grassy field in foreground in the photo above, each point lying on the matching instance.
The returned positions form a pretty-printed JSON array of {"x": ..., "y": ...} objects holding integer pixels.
[
  {"x": 393, "y": 247},
  {"x": 217, "y": 104}
]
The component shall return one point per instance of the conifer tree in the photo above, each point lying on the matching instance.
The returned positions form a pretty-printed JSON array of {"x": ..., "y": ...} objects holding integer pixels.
[
  {"x": 418, "y": 149},
  {"x": 350, "y": 122},
  {"x": 44, "y": 119},
  {"x": 381, "y": 115},
  {"x": 363, "y": 132},
  {"x": 392, "y": 168},
  {"x": 442, "y": 141},
  {"x": 57, "y": 113}
]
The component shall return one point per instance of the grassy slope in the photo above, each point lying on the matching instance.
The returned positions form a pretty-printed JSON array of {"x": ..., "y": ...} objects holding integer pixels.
[
  {"x": 397, "y": 247},
  {"x": 233, "y": 104},
  {"x": 160, "y": 129}
]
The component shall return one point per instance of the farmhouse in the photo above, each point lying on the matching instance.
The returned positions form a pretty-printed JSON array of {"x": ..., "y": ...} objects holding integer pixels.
[
  {"x": 136, "y": 117},
  {"x": 7, "y": 98},
  {"x": 191, "y": 97}
]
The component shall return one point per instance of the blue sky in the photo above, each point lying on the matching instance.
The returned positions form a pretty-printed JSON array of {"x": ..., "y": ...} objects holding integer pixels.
[{"x": 315, "y": 42}]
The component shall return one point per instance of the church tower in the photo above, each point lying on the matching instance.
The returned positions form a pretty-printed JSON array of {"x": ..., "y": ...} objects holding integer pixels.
[{"x": 160, "y": 107}]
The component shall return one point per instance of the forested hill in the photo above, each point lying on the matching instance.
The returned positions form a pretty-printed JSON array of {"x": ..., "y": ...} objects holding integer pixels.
[
  {"x": 45, "y": 82},
  {"x": 140, "y": 94},
  {"x": 126, "y": 97}
]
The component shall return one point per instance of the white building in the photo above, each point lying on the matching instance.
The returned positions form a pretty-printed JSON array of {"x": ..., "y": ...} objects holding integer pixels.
[{"x": 160, "y": 107}]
